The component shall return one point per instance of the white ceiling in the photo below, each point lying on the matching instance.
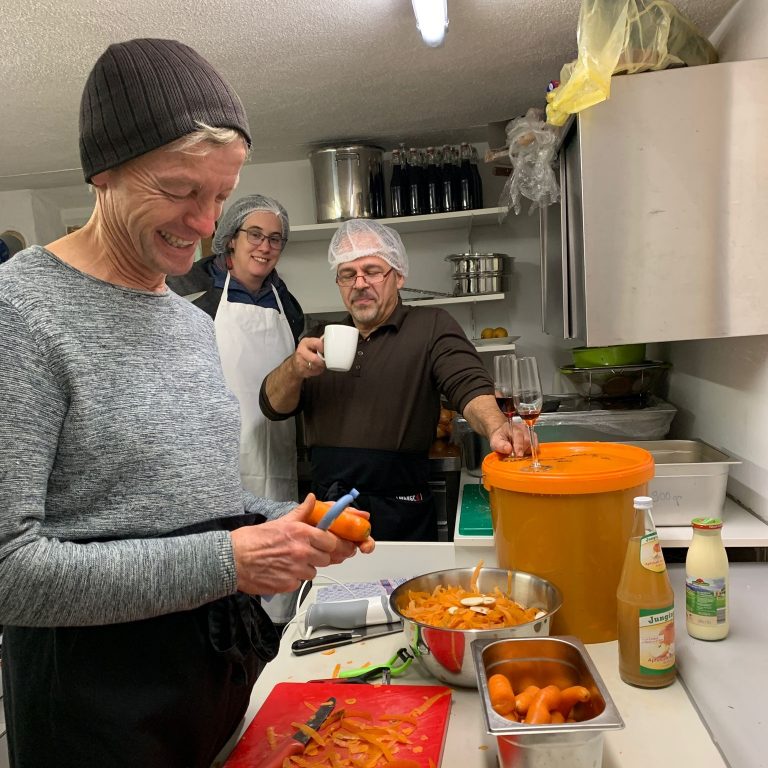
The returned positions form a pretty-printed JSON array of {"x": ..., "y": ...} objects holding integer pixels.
[{"x": 310, "y": 72}]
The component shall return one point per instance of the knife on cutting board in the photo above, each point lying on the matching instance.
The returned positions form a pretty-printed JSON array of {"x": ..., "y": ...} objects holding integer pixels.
[
  {"x": 296, "y": 744},
  {"x": 323, "y": 642}
]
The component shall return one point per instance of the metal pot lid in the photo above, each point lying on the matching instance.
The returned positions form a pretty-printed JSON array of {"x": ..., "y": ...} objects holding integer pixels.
[
  {"x": 346, "y": 148},
  {"x": 454, "y": 256}
]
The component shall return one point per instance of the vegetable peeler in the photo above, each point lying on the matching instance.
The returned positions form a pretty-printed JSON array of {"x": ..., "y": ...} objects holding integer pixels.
[
  {"x": 387, "y": 670},
  {"x": 337, "y": 508},
  {"x": 395, "y": 667}
]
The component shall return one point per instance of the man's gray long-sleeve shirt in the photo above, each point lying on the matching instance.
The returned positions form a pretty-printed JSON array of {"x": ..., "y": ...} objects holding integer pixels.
[{"x": 116, "y": 429}]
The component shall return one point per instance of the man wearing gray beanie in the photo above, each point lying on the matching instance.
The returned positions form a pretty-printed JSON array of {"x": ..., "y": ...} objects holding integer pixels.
[{"x": 131, "y": 558}]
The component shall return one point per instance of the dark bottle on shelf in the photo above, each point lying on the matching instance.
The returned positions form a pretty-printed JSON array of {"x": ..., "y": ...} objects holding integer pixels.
[
  {"x": 381, "y": 189},
  {"x": 424, "y": 208},
  {"x": 447, "y": 198},
  {"x": 397, "y": 186},
  {"x": 376, "y": 194},
  {"x": 478, "y": 188},
  {"x": 415, "y": 184},
  {"x": 466, "y": 199},
  {"x": 456, "y": 178},
  {"x": 434, "y": 183}
]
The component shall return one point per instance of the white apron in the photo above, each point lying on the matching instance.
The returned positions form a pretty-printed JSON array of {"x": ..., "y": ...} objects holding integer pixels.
[{"x": 252, "y": 342}]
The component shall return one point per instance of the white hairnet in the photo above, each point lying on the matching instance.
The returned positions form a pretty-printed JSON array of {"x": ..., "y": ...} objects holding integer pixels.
[
  {"x": 237, "y": 213},
  {"x": 365, "y": 237}
]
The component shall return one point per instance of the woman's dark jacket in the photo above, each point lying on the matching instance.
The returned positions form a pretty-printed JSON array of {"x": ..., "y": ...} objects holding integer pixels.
[{"x": 207, "y": 276}]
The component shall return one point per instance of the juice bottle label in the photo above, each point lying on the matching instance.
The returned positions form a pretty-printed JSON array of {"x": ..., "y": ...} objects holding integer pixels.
[
  {"x": 651, "y": 556},
  {"x": 657, "y": 640},
  {"x": 705, "y": 601}
]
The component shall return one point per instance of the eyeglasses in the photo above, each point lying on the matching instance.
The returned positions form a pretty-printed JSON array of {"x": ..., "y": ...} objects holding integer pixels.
[
  {"x": 374, "y": 277},
  {"x": 257, "y": 237}
]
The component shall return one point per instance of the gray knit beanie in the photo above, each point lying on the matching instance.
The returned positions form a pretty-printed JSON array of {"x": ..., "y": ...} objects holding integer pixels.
[
  {"x": 239, "y": 211},
  {"x": 145, "y": 93}
]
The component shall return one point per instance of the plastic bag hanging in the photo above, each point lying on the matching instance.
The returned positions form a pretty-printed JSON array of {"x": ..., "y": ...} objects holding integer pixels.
[
  {"x": 624, "y": 36},
  {"x": 532, "y": 146}
]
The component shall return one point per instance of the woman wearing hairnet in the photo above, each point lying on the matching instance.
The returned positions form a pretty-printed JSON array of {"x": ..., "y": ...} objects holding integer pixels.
[{"x": 258, "y": 323}]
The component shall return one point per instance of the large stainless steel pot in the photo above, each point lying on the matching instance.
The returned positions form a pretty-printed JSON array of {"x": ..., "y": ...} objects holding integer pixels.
[
  {"x": 471, "y": 284},
  {"x": 348, "y": 182},
  {"x": 446, "y": 653}
]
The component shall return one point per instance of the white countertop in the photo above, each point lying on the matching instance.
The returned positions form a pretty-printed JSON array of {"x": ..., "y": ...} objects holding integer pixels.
[
  {"x": 723, "y": 679},
  {"x": 728, "y": 678}
]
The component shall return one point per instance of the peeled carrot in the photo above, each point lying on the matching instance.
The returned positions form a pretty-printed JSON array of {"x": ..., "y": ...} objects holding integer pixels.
[
  {"x": 501, "y": 694},
  {"x": 347, "y": 525},
  {"x": 557, "y": 716},
  {"x": 572, "y": 696},
  {"x": 544, "y": 702},
  {"x": 538, "y": 713},
  {"x": 523, "y": 700}
]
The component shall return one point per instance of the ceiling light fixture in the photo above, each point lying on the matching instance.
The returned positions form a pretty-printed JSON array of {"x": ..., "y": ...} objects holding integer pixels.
[{"x": 431, "y": 20}]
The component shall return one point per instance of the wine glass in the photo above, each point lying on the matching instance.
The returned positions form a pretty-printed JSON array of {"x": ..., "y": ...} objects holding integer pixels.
[
  {"x": 503, "y": 379},
  {"x": 528, "y": 399}
]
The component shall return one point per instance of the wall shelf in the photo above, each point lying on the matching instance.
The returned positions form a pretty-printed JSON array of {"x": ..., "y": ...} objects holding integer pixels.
[
  {"x": 406, "y": 224},
  {"x": 441, "y": 300},
  {"x": 434, "y": 302}
]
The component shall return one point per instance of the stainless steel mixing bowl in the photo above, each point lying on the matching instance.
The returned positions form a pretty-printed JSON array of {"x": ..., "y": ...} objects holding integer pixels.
[{"x": 446, "y": 653}]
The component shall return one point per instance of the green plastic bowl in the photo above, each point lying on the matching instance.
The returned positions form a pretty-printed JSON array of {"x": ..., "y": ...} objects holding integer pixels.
[{"x": 621, "y": 354}]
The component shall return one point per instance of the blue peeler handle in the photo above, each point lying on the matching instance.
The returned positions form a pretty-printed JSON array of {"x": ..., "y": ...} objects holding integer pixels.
[{"x": 337, "y": 509}]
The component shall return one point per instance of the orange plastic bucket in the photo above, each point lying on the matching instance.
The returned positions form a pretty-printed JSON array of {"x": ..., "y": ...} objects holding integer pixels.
[{"x": 570, "y": 524}]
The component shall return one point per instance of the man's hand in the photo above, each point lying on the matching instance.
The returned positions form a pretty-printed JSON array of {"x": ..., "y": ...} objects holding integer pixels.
[
  {"x": 484, "y": 416},
  {"x": 306, "y": 360},
  {"x": 278, "y": 555},
  {"x": 282, "y": 386},
  {"x": 511, "y": 439}
]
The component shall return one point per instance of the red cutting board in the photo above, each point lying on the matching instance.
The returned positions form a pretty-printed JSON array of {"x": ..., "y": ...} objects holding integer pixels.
[{"x": 286, "y": 705}]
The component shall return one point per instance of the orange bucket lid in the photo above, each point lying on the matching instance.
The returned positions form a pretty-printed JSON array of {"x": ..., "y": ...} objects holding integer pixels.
[{"x": 571, "y": 468}]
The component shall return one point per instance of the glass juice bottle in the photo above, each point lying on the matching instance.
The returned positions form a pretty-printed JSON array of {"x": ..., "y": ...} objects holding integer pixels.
[
  {"x": 706, "y": 581},
  {"x": 646, "y": 617}
]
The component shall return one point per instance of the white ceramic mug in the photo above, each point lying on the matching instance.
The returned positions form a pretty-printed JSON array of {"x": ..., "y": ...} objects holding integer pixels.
[{"x": 339, "y": 346}]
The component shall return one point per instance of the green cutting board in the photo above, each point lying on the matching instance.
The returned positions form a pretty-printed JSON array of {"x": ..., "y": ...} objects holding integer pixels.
[{"x": 475, "y": 512}]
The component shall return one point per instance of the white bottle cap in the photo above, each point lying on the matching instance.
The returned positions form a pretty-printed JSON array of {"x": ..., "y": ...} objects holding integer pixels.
[{"x": 643, "y": 502}]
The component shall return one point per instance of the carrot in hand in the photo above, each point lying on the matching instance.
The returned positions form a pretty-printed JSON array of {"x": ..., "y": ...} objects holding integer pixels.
[
  {"x": 347, "y": 525},
  {"x": 501, "y": 694}
]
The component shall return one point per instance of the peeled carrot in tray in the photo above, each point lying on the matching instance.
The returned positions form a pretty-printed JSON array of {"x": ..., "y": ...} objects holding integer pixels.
[
  {"x": 537, "y": 706},
  {"x": 572, "y": 696},
  {"x": 501, "y": 694},
  {"x": 347, "y": 525},
  {"x": 524, "y": 700}
]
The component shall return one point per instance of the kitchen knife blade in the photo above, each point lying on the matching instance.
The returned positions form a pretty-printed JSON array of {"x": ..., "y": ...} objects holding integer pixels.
[
  {"x": 296, "y": 744},
  {"x": 322, "y": 643}
]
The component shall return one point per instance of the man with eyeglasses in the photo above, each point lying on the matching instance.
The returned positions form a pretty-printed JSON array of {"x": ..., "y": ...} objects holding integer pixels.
[{"x": 371, "y": 427}]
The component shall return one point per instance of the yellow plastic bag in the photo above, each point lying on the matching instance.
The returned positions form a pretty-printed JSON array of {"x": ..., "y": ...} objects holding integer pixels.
[{"x": 623, "y": 36}]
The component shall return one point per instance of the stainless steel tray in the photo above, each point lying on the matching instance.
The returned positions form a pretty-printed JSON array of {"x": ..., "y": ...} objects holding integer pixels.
[{"x": 690, "y": 480}]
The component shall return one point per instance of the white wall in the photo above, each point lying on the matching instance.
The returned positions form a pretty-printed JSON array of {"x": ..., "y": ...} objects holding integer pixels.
[
  {"x": 16, "y": 213},
  {"x": 720, "y": 386}
]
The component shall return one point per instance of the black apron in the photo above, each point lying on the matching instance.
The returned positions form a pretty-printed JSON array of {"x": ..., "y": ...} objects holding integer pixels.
[
  {"x": 393, "y": 485},
  {"x": 165, "y": 692}
]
